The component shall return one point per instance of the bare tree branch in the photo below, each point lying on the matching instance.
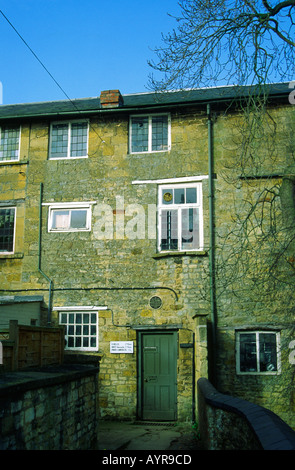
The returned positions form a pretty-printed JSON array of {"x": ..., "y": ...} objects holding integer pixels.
[{"x": 228, "y": 41}]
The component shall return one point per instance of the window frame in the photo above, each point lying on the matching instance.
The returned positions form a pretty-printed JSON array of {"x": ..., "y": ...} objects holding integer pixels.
[
  {"x": 69, "y": 124},
  {"x": 179, "y": 207},
  {"x": 70, "y": 206},
  {"x": 80, "y": 310},
  {"x": 14, "y": 229},
  {"x": 150, "y": 135},
  {"x": 19, "y": 143},
  {"x": 257, "y": 352}
]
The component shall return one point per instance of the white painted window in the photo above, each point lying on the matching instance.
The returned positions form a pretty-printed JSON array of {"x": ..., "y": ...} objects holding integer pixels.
[
  {"x": 81, "y": 327},
  {"x": 150, "y": 133},
  {"x": 69, "y": 217},
  {"x": 7, "y": 229},
  {"x": 258, "y": 352},
  {"x": 69, "y": 140},
  {"x": 9, "y": 144},
  {"x": 180, "y": 217}
]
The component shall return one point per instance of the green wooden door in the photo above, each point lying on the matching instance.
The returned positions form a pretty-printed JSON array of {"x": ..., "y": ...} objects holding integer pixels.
[{"x": 158, "y": 375}]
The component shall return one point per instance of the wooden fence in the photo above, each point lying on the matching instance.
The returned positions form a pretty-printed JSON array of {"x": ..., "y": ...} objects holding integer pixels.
[{"x": 32, "y": 346}]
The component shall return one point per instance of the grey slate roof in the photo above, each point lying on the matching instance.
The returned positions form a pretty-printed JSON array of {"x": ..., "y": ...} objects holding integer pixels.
[
  {"x": 13, "y": 299},
  {"x": 138, "y": 101}
]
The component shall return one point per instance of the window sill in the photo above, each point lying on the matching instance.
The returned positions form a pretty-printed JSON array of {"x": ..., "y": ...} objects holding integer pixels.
[
  {"x": 14, "y": 162},
  {"x": 11, "y": 255},
  {"x": 57, "y": 159},
  {"x": 81, "y": 357},
  {"x": 151, "y": 152},
  {"x": 179, "y": 253}
]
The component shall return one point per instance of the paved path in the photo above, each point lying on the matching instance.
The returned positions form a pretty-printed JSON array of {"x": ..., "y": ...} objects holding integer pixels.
[{"x": 116, "y": 435}]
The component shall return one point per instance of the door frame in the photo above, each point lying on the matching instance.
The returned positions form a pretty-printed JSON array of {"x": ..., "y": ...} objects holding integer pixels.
[{"x": 140, "y": 368}]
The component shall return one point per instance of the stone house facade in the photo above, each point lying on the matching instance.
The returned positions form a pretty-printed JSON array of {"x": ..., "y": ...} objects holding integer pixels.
[{"x": 128, "y": 214}]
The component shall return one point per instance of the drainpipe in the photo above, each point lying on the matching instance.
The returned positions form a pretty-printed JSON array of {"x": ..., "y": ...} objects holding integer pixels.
[
  {"x": 39, "y": 258},
  {"x": 194, "y": 382},
  {"x": 211, "y": 243}
]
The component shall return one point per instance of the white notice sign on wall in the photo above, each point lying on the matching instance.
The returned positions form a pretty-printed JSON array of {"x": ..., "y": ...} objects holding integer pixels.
[{"x": 121, "y": 347}]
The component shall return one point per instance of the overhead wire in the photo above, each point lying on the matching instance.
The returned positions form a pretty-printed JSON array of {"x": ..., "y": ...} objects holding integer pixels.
[{"x": 46, "y": 69}]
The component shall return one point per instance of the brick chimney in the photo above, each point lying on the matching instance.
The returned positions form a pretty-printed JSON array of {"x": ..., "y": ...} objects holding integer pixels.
[{"x": 111, "y": 99}]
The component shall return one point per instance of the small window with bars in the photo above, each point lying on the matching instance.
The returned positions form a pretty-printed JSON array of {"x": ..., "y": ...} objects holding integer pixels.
[
  {"x": 69, "y": 140},
  {"x": 149, "y": 133},
  {"x": 9, "y": 143},
  {"x": 81, "y": 330},
  {"x": 7, "y": 229}
]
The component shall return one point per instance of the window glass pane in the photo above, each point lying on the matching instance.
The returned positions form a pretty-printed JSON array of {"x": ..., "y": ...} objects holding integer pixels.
[
  {"x": 63, "y": 318},
  {"x": 190, "y": 229},
  {"x": 61, "y": 220},
  {"x": 78, "y": 342},
  {"x": 267, "y": 352},
  {"x": 79, "y": 139},
  {"x": 169, "y": 230},
  {"x": 6, "y": 229},
  {"x": 93, "y": 317},
  {"x": 159, "y": 133},
  {"x": 59, "y": 141},
  {"x": 78, "y": 318},
  {"x": 85, "y": 329},
  {"x": 70, "y": 341},
  {"x": 191, "y": 195},
  {"x": 179, "y": 196},
  {"x": 85, "y": 317},
  {"x": 9, "y": 144},
  {"x": 79, "y": 218},
  {"x": 71, "y": 317},
  {"x": 93, "y": 341},
  {"x": 78, "y": 329},
  {"x": 139, "y": 134},
  {"x": 248, "y": 352}
]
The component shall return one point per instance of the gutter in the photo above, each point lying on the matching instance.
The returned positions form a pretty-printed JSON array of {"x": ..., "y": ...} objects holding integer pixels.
[
  {"x": 212, "y": 243},
  {"x": 39, "y": 258}
]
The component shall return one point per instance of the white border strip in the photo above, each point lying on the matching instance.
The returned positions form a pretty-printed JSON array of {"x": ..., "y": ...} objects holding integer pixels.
[
  {"x": 68, "y": 204},
  {"x": 84, "y": 309},
  {"x": 186, "y": 179}
]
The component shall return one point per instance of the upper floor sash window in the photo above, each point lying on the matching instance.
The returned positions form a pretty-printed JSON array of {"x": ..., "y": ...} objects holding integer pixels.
[
  {"x": 150, "y": 133},
  {"x": 9, "y": 143},
  {"x": 7, "y": 229},
  {"x": 69, "y": 140},
  {"x": 69, "y": 217},
  {"x": 180, "y": 217}
]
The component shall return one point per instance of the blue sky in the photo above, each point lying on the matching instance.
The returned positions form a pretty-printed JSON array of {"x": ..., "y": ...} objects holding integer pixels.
[{"x": 86, "y": 45}]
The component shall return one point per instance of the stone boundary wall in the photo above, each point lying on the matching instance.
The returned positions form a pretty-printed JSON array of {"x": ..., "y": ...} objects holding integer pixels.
[
  {"x": 54, "y": 408},
  {"x": 228, "y": 423}
]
